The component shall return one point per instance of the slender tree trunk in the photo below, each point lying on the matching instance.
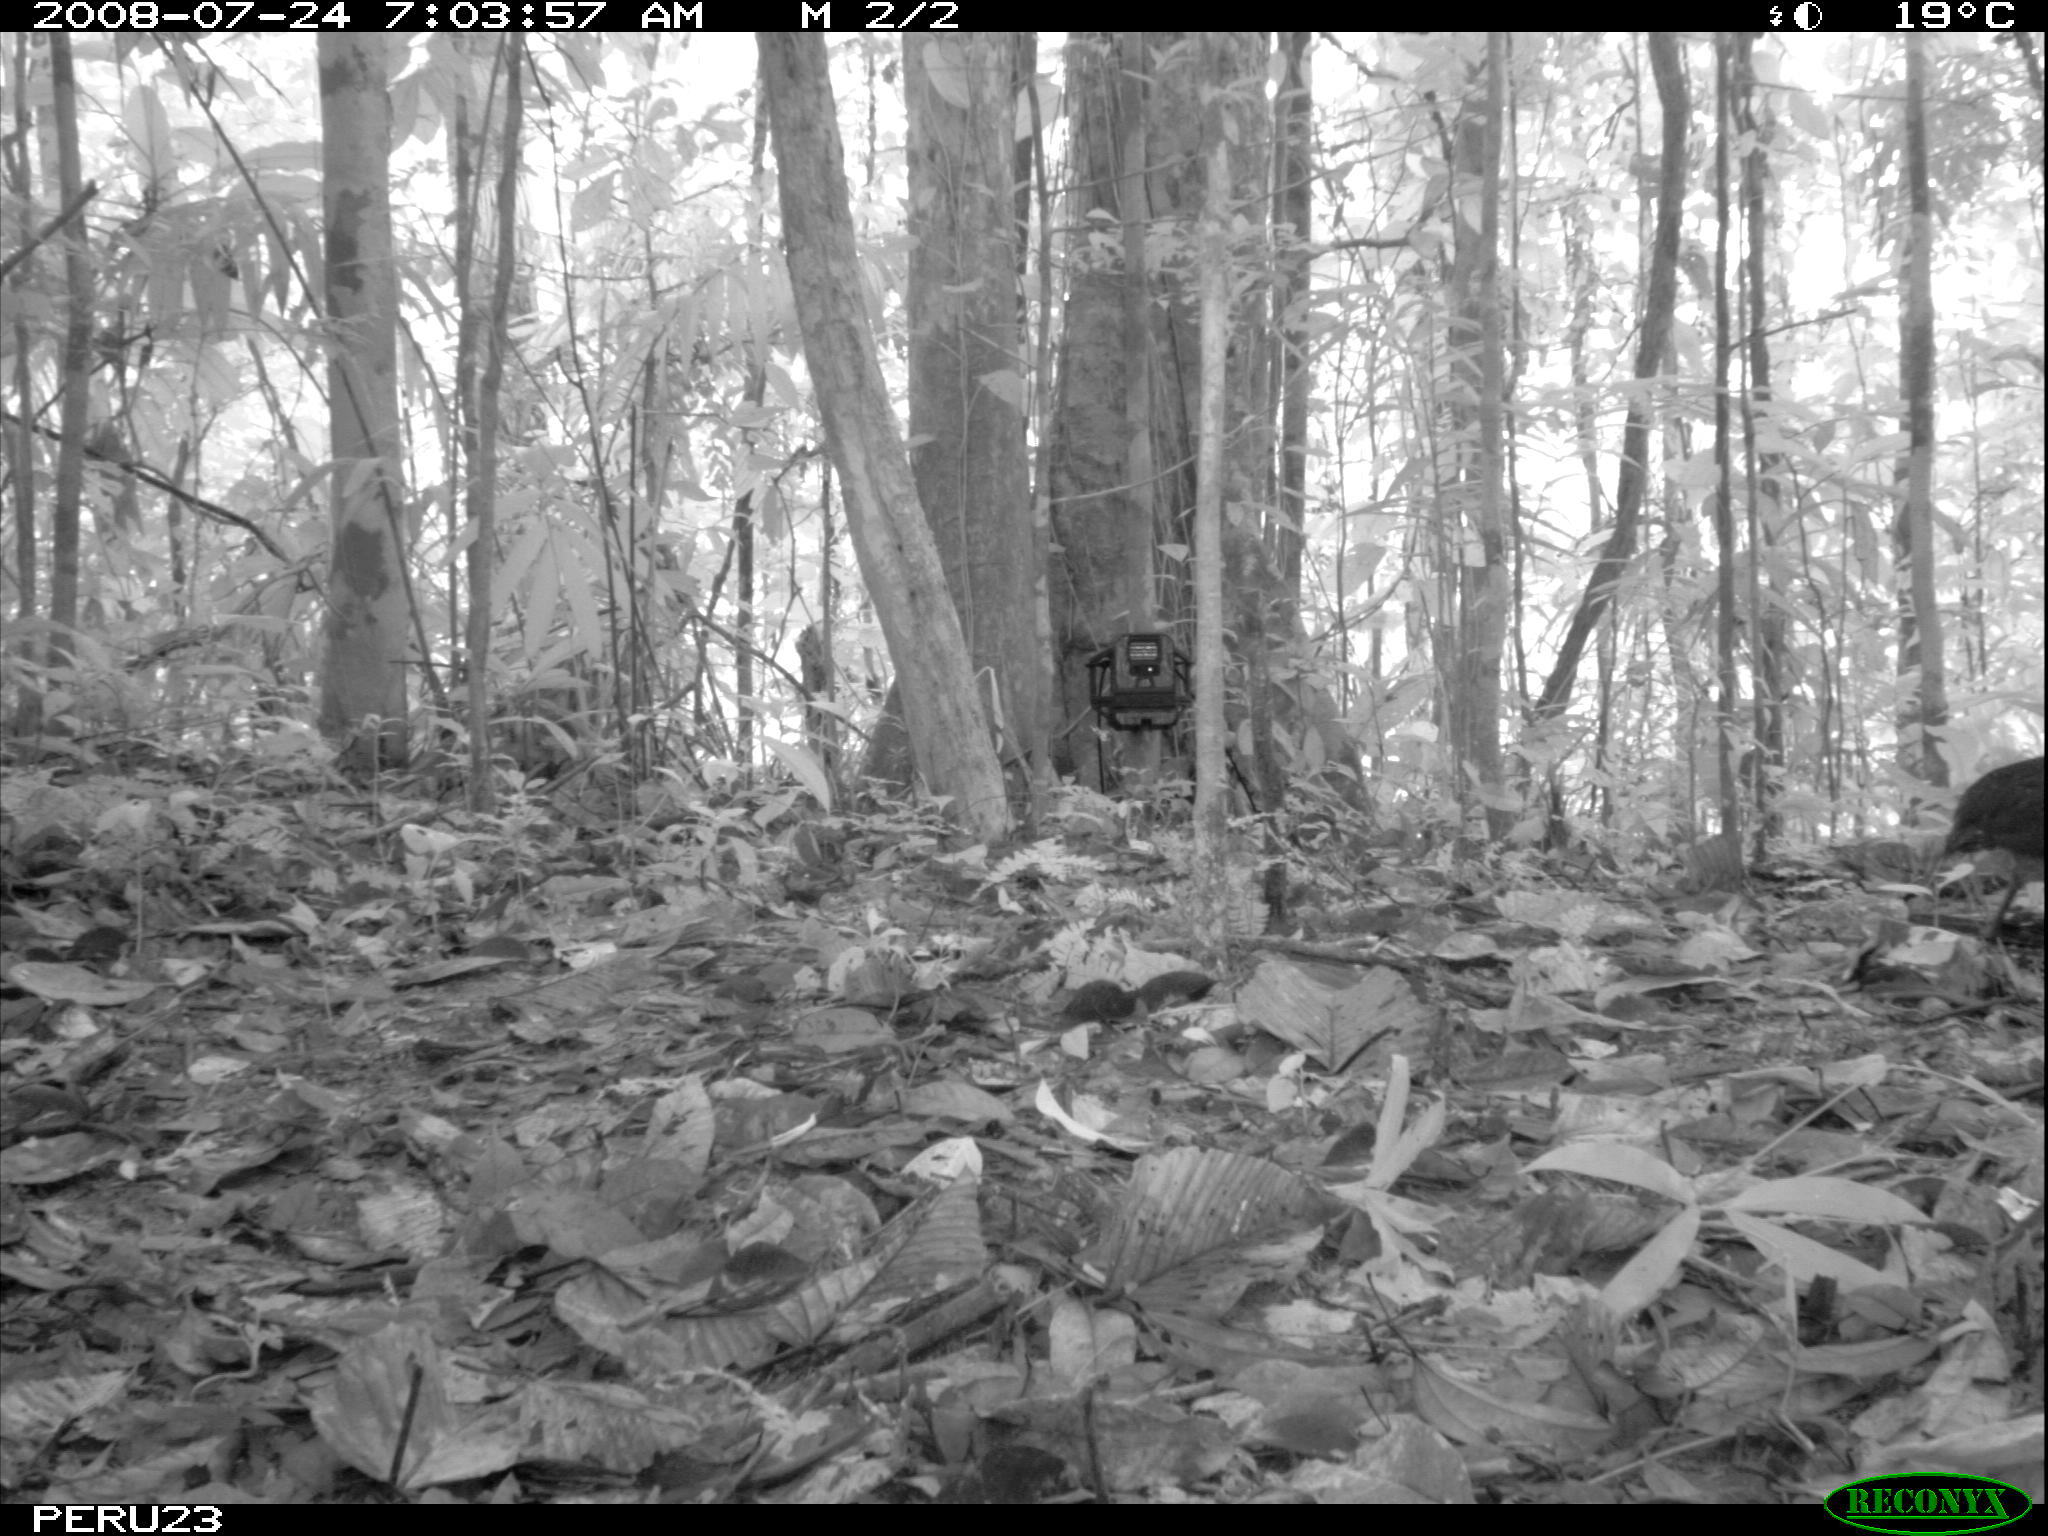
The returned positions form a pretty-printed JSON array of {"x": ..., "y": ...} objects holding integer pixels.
[
  {"x": 1923, "y": 710},
  {"x": 363, "y": 694},
  {"x": 72, "y": 415},
  {"x": 949, "y": 734},
  {"x": 1674, "y": 100}
]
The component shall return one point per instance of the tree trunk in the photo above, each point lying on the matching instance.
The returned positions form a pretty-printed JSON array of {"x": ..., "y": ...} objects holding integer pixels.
[
  {"x": 1674, "y": 100},
  {"x": 1922, "y": 709},
  {"x": 966, "y": 369},
  {"x": 71, "y": 421},
  {"x": 948, "y": 733},
  {"x": 363, "y": 693}
]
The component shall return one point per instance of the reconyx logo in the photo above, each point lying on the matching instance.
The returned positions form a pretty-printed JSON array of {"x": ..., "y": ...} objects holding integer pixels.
[{"x": 1921, "y": 1502}]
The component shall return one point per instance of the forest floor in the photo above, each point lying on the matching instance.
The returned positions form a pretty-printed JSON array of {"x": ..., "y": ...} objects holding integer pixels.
[{"x": 362, "y": 1150}]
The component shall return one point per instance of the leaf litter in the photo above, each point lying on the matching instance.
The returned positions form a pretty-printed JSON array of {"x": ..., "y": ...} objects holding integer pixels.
[{"x": 395, "y": 1155}]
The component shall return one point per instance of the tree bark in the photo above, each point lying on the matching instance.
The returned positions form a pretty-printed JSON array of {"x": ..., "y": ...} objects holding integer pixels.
[
  {"x": 949, "y": 735},
  {"x": 363, "y": 693}
]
